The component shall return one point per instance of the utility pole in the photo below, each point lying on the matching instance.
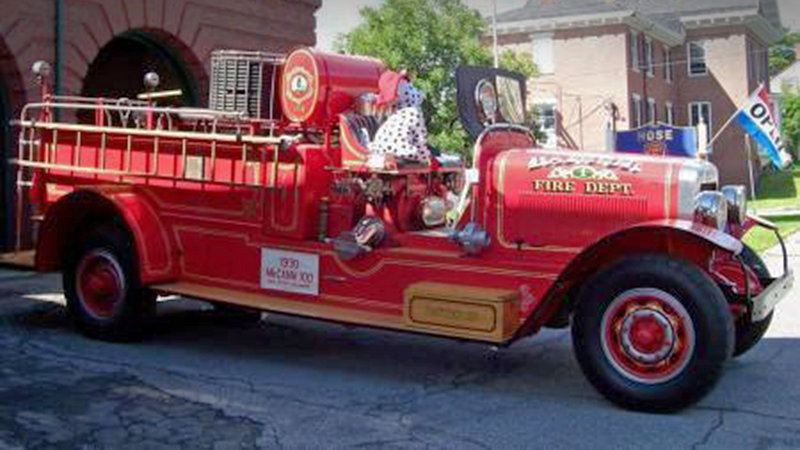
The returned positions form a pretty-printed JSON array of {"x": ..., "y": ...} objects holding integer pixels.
[{"x": 494, "y": 34}]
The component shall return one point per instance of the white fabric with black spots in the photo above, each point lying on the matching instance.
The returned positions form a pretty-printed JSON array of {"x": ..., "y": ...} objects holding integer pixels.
[{"x": 404, "y": 134}]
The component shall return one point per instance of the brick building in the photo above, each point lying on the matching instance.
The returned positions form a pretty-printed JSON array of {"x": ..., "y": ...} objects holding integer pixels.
[
  {"x": 103, "y": 47},
  {"x": 618, "y": 64}
]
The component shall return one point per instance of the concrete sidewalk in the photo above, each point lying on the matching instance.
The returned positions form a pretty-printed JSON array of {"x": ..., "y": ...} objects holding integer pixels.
[{"x": 769, "y": 213}]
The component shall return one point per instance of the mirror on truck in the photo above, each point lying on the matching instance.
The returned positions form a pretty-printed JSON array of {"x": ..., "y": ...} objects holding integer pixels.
[
  {"x": 509, "y": 93},
  {"x": 488, "y": 96}
]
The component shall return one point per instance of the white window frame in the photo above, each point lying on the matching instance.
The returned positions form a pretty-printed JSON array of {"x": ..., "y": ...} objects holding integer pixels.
[
  {"x": 543, "y": 42},
  {"x": 634, "y": 51},
  {"x": 669, "y": 74},
  {"x": 709, "y": 123},
  {"x": 704, "y": 46},
  {"x": 652, "y": 111},
  {"x": 636, "y": 112},
  {"x": 669, "y": 116},
  {"x": 649, "y": 63}
]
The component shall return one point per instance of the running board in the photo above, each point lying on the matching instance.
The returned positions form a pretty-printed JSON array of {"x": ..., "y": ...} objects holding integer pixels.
[
  {"x": 21, "y": 260},
  {"x": 326, "y": 312}
]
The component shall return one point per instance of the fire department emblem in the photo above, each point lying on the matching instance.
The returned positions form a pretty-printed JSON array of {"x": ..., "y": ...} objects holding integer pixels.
[
  {"x": 656, "y": 148},
  {"x": 299, "y": 80},
  {"x": 582, "y": 173}
]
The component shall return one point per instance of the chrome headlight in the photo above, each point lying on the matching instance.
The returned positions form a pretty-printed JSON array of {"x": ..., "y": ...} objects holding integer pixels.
[
  {"x": 433, "y": 211},
  {"x": 736, "y": 196},
  {"x": 711, "y": 209}
]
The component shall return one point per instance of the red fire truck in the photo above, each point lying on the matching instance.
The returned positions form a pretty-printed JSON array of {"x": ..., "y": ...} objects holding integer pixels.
[{"x": 267, "y": 201}]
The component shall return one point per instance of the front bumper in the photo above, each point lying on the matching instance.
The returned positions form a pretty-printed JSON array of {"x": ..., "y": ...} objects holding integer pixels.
[{"x": 764, "y": 303}]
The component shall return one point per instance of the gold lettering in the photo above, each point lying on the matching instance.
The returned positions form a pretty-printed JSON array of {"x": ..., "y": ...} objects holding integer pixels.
[
  {"x": 598, "y": 188},
  {"x": 553, "y": 186}
]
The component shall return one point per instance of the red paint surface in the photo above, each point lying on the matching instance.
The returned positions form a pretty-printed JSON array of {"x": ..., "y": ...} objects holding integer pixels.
[{"x": 212, "y": 233}]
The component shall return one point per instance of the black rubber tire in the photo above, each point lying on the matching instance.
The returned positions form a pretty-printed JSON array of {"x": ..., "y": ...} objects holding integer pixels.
[
  {"x": 749, "y": 333},
  {"x": 131, "y": 320},
  {"x": 706, "y": 307}
]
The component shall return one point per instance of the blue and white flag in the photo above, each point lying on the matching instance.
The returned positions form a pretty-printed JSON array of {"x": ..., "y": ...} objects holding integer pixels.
[{"x": 758, "y": 119}]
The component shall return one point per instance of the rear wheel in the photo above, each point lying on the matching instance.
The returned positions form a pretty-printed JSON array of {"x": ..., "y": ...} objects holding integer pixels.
[
  {"x": 104, "y": 295},
  {"x": 749, "y": 333},
  {"x": 652, "y": 333}
]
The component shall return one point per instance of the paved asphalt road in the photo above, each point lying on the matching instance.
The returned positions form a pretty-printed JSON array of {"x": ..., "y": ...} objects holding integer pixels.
[{"x": 300, "y": 384}]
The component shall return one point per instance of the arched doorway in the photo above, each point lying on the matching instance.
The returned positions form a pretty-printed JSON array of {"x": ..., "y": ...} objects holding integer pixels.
[
  {"x": 119, "y": 67},
  {"x": 6, "y": 198},
  {"x": 11, "y": 99}
]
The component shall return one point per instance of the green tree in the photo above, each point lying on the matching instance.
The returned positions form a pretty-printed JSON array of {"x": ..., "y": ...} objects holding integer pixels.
[
  {"x": 519, "y": 62},
  {"x": 783, "y": 53},
  {"x": 429, "y": 39},
  {"x": 790, "y": 113}
]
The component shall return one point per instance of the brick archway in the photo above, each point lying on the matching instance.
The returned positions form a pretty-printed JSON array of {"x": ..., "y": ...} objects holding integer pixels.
[
  {"x": 119, "y": 66},
  {"x": 11, "y": 100}
]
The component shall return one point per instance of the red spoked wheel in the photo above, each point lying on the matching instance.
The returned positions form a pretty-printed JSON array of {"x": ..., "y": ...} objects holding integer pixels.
[
  {"x": 100, "y": 283},
  {"x": 652, "y": 332},
  {"x": 104, "y": 295},
  {"x": 648, "y": 335}
]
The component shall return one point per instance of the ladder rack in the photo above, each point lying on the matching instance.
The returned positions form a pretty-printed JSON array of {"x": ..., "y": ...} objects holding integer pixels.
[{"x": 130, "y": 125}]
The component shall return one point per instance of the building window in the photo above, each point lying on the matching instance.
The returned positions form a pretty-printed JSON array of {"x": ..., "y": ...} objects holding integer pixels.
[
  {"x": 547, "y": 119},
  {"x": 698, "y": 110},
  {"x": 697, "y": 58},
  {"x": 669, "y": 113},
  {"x": 634, "y": 50},
  {"x": 636, "y": 111},
  {"x": 542, "y": 44},
  {"x": 668, "y": 65},
  {"x": 651, "y": 111},
  {"x": 758, "y": 63},
  {"x": 648, "y": 56}
]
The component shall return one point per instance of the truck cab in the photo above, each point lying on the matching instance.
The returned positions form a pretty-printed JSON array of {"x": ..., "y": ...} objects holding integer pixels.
[{"x": 268, "y": 201}]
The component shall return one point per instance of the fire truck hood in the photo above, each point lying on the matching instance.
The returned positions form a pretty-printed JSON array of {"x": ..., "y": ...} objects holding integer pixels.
[{"x": 546, "y": 197}]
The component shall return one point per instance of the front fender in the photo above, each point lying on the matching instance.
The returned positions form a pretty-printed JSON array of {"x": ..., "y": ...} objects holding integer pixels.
[
  {"x": 709, "y": 249},
  {"x": 711, "y": 235}
]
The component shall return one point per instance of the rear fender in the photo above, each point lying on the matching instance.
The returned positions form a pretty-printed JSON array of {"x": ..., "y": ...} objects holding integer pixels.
[
  {"x": 77, "y": 212},
  {"x": 708, "y": 248}
]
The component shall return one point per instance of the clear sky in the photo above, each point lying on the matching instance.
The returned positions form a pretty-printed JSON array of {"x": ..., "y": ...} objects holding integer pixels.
[{"x": 340, "y": 16}]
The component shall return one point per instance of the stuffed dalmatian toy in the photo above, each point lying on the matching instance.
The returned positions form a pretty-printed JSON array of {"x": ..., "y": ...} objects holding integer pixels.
[{"x": 404, "y": 134}]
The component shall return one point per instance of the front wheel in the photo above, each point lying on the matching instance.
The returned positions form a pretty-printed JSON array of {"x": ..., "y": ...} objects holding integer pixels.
[
  {"x": 652, "y": 333},
  {"x": 104, "y": 295}
]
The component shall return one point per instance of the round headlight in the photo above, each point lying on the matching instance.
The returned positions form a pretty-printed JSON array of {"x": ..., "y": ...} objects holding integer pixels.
[
  {"x": 711, "y": 209},
  {"x": 737, "y": 203}
]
